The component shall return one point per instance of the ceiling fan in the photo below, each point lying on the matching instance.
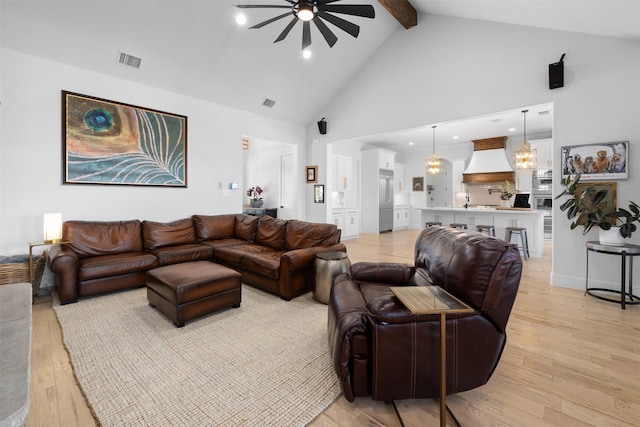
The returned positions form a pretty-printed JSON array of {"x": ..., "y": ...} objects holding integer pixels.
[{"x": 316, "y": 11}]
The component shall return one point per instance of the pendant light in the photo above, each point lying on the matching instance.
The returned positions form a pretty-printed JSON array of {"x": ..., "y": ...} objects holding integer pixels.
[
  {"x": 434, "y": 162},
  {"x": 525, "y": 157}
]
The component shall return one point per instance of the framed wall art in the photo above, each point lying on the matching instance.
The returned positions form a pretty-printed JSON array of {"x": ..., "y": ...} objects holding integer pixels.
[
  {"x": 312, "y": 174},
  {"x": 318, "y": 193},
  {"x": 596, "y": 161},
  {"x": 608, "y": 204},
  {"x": 108, "y": 142},
  {"x": 418, "y": 183}
]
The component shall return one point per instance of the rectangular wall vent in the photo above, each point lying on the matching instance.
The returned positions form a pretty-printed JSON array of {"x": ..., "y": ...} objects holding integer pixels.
[
  {"x": 129, "y": 60},
  {"x": 269, "y": 102}
]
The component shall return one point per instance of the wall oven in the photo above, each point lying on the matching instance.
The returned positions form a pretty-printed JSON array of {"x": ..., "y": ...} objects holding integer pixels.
[{"x": 541, "y": 198}]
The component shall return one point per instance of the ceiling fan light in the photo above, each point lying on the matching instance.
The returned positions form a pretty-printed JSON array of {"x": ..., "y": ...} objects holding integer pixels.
[{"x": 305, "y": 11}]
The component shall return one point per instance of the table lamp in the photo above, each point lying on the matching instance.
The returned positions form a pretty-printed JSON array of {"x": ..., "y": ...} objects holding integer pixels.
[{"x": 52, "y": 225}]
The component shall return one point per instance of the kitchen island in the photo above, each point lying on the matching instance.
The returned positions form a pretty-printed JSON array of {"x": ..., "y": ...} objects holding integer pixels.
[{"x": 500, "y": 218}]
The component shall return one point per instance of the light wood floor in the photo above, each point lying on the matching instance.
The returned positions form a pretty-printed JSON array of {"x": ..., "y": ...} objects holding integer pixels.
[{"x": 570, "y": 360}]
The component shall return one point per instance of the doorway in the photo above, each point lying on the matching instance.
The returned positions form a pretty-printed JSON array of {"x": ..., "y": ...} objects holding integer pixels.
[{"x": 271, "y": 165}]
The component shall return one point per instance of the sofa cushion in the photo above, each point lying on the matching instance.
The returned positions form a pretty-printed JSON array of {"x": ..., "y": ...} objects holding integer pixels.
[
  {"x": 223, "y": 242},
  {"x": 182, "y": 253},
  {"x": 262, "y": 261},
  {"x": 95, "y": 238},
  {"x": 214, "y": 227},
  {"x": 271, "y": 232},
  {"x": 158, "y": 234},
  {"x": 246, "y": 227},
  {"x": 302, "y": 234},
  {"x": 231, "y": 254},
  {"x": 115, "y": 265}
]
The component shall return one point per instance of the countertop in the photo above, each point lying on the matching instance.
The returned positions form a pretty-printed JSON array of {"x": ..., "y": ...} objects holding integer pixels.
[{"x": 487, "y": 210}]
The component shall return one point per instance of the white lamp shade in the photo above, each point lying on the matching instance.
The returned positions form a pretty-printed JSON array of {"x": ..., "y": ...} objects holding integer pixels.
[{"x": 52, "y": 225}]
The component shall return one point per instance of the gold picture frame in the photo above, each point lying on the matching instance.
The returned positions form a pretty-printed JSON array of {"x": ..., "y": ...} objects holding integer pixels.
[
  {"x": 609, "y": 204},
  {"x": 311, "y": 174}
]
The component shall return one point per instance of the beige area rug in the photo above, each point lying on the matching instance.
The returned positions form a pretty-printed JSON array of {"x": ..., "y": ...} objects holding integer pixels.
[{"x": 265, "y": 363}]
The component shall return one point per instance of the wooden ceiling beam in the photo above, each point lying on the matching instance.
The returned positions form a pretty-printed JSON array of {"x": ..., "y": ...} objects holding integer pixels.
[{"x": 403, "y": 11}]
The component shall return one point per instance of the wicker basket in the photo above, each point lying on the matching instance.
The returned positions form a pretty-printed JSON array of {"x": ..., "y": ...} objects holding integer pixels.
[{"x": 18, "y": 272}]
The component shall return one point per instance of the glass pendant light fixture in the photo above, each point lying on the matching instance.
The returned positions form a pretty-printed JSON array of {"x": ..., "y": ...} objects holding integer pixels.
[
  {"x": 434, "y": 162},
  {"x": 525, "y": 157}
]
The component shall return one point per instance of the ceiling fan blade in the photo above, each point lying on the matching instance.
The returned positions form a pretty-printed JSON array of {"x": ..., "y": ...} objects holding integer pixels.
[
  {"x": 306, "y": 35},
  {"x": 363, "y": 10},
  {"x": 262, "y": 6},
  {"x": 346, "y": 26},
  {"x": 328, "y": 35},
  {"x": 269, "y": 21},
  {"x": 286, "y": 30}
]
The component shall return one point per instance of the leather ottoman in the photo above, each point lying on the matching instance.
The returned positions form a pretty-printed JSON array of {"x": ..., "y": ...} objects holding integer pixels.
[{"x": 185, "y": 291}]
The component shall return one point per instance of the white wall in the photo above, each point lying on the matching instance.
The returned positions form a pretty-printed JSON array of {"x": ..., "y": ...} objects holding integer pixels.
[
  {"x": 31, "y": 146},
  {"x": 448, "y": 68}
]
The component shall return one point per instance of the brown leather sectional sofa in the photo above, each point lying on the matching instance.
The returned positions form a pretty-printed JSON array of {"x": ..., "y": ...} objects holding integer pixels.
[
  {"x": 381, "y": 349},
  {"x": 271, "y": 254}
]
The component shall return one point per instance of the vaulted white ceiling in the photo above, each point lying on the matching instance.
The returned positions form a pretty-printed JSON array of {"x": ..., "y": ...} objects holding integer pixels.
[{"x": 195, "y": 47}]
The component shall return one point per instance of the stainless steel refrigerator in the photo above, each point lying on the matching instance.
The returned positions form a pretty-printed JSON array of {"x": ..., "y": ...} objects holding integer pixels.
[{"x": 386, "y": 200}]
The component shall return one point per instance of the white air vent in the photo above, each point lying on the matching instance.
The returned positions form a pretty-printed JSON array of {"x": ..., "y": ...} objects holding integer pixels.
[
  {"x": 269, "y": 102},
  {"x": 129, "y": 60}
]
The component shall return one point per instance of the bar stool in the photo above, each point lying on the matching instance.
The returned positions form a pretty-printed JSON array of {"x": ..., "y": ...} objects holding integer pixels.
[
  {"x": 431, "y": 224},
  {"x": 458, "y": 225},
  {"x": 489, "y": 229},
  {"x": 522, "y": 231}
]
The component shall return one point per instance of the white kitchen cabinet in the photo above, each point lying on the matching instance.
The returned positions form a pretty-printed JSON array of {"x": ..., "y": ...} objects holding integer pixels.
[
  {"x": 399, "y": 178},
  {"x": 347, "y": 220},
  {"x": 523, "y": 180},
  {"x": 457, "y": 169},
  {"x": 396, "y": 218},
  {"x": 401, "y": 217},
  {"x": 337, "y": 218},
  {"x": 405, "y": 212},
  {"x": 386, "y": 159},
  {"x": 351, "y": 224},
  {"x": 544, "y": 152},
  {"x": 343, "y": 177}
]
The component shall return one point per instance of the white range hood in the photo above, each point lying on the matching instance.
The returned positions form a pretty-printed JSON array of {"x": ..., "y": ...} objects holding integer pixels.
[{"x": 489, "y": 162}]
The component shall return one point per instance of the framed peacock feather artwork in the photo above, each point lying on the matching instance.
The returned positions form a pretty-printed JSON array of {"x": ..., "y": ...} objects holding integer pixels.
[{"x": 107, "y": 142}]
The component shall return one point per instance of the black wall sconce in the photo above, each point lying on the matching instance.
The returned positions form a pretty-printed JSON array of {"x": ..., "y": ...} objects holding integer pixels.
[
  {"x": 556, "y": 74},
  {"x": 322, "y": 126}
]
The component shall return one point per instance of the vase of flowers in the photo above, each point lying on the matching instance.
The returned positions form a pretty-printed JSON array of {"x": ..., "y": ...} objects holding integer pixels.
[
  {"x": 506, "y": 194},
  {"x": 255, "y": 196}
]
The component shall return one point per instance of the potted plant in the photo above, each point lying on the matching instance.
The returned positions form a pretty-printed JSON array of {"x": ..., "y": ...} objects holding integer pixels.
[
  {"x": 588, "y": 208},
  {"x": 506, "y": 193},
  {"x": 628, "y": 217},
  {"x": 255, "y": 199}
]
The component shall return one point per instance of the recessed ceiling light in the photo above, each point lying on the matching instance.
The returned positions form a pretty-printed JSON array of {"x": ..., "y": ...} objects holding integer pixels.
[
  {"x": 455, "y": 137},
  {"x": 241, "y": 19},
  {"x": 306, "y": 54},
  {"x": 411, "y": 143},
  {"x": 512, "y": 129}
]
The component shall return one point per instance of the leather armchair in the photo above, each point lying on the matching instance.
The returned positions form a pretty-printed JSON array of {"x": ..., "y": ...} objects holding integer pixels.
[{"x": 380, "y": 349}]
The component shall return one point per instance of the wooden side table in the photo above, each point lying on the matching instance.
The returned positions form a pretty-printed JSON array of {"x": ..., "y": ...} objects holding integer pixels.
[
  {"x": 434, "y": 300},
  {"x": 33, "y": 245}
]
